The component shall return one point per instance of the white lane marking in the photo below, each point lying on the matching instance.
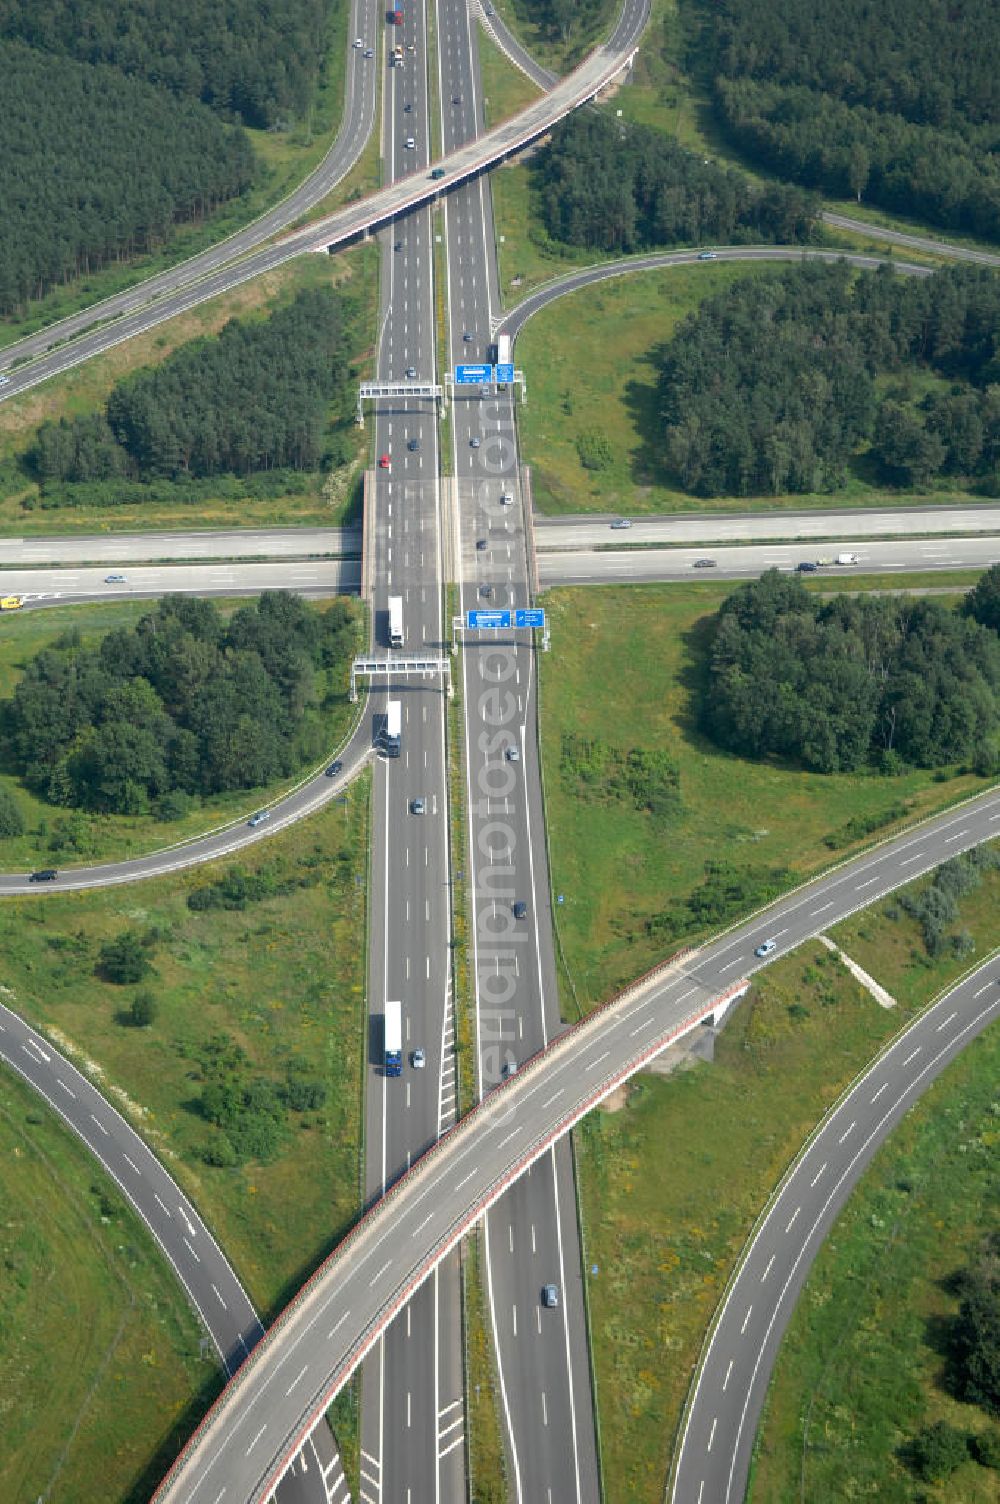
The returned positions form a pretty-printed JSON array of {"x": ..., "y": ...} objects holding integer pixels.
[
  {"x": 728, "y": 1372},
  {"x": 648, "y": 1023},
  {"x": 100, "y": 1125},
  {"x": 818, "y": 1173},
  {"x": 867, "y": 883},
  {"x": 191, "y": 1251},
  {"x": 849, "y": 1129},
  {"x": 822, "y": 909},
  {"x": 471, "y": 1176},
  {"x": 131, "y": 1163},
  {"x": 768, "y": 1269},
  {"x": 882, "y": 1088},
  {"x": 945, "y": 1022},
  {"x": 554, "y": 1098},
  {"x": 594, "y": 1063},
  {"x": 912, "y": 1055},
  {"x": 255, "y": 1440},
  {"x": 711, "y": 1434},
  {"x": 791, "y": 1221},
  {"x": 983, "y": 989},
  {"x": 337, "y": 1325},
  {"x": 385, "y": 1266},
  {"x": 219, "y": 1298},
  {"x": 67, "y": 1089},
  {"x": 297, "y": 1379},
  {"x": 163, "y": 1204},
  {"x": 746, "y": 1320}
]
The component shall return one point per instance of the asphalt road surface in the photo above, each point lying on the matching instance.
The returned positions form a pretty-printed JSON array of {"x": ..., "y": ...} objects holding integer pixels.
[
  {"x": 731, "y": 1385},
  {"x": 583, "y": 531},
  {"x": 353, "y": 221},
  {"x": 208, "y": 1280},
  {"x": 321, "y": 1338},
  {"x": 737, "y": 562},
  {"x": 412, "y": 1399},
  {"x": 231, "y": 543},
  {"x": 911, "y": 242},
  {"x": 70, "y": 586}
]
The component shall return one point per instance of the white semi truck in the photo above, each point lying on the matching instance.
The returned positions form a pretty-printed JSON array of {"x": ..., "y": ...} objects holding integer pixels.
[
  {"x": 393, "y": 728},
  {"x": 392, "y": 1039},
  {"x": 395, "y": 621}
]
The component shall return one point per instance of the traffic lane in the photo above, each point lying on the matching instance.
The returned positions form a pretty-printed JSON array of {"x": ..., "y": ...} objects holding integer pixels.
[
  {"x": 705, "y": 529},
  {"x": 915, "y": 242},
  {"x": 335, "y": 230},
  {"x": 121, "y": 548},
  {"x": 315, "y": 791},
  {"x": 355, "y": 128},
  {"x": 44, "y": 586},
  {"x": 732, "y": 1383},
  {"x": 735, "y": 561},
  {"x": 196, "y": 1259},
  {"x": 391, "y": 1251}
]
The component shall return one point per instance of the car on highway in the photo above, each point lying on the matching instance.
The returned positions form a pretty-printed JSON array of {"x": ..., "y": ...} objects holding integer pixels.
[
  {"x": 409, "y": 144},
  {"x": 481, "y": 545},
  {"x": 707, "y": 256},
  {"x": 357, "y": 42},
  {"x": 418, "y": 1060},
  {"x": 486, "y": 591},
  {"x": 807, "y": 567},
  {"x": 520, "y": 909},
  {"x": 550, "y": 1296},
  {"x": 384, "y": 462},
  {"x": 369, "y": 52},
  {"x": 510, "y": 1066},
  {"x": 11, "y": 602},
  {"x": 437, "y": 173},
  {"x": 513, "y": 754},
  {"x": 260, "y": 818},
  {"x": 407, "y": 107},
  {"x": 4, "y": 381},
  {"x": 466, "y": 337},
  {"x": 398, "y": 246},
  {"x": 703, "y": 564},
  {"x": 413, "y": 445},
  {"x": 456, "y": 99},
  {"x": 114, "y": 579},
  {"x": 43, "y": 875},
  {"x": 474, "y": 441},
  {"x": 411, "y": 372},
  {"x": 765, "y": 947},
  {"x": 620, "y": 523},
  {"x": 418, "y": 807},
  {"x": 334, "y": 769}
]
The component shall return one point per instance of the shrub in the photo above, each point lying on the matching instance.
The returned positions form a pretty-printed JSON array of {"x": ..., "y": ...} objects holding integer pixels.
[
  {"x": 938, "y": 1450},
  {"x": 986, "y": 1449},
  {"x": 144, "y": 1010},
  {"x": 11, "y": 818},
  {"x": 124, "y": 960},
  {"x": 594, "y": 450}
]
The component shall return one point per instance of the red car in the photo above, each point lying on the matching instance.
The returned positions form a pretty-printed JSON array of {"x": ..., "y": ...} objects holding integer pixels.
[{"x": 383, "y": 463}]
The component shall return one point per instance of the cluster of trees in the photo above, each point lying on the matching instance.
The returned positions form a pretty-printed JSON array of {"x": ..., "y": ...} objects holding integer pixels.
[
  {"x": 645, "y": 777},
  {"x": 560, "y": 19},
  {"x": 936, "y": 906},
  {"x": 254, "y": 398},
  {"x": 96, "y": 167},
  {"x": 895, "y": 102},
  {"x": 258, "y": 62},
  {"x": 183, "y": 702},
  {"x": 852, "y": 682},
  {"x": 628, "y": 188},
  {"x": 771, "y": 385},
  {"x": 250, "y": 1111}
]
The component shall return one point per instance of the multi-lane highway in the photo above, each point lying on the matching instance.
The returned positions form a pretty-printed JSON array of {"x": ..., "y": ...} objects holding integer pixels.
[
  {"x": 71, "y": 585},
  {"x": 227, "y": 544},
  {"x": 748, "y": 561},
  {"x": 323, "y": 1336},
  {"x": 728, "y": 1395}
]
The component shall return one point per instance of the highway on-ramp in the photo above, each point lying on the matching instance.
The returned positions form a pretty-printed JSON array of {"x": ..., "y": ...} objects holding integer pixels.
[
  {"x": 728, "y": 1395},
  {"x": 319, "y": 1340}
]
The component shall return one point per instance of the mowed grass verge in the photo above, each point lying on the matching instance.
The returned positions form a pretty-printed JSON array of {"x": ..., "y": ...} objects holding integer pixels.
[
  {"x": 671, "y": 1184},
  {"x": 57, "y": 835},
  {"x": 626, "y": 669},
  {"x": 99, "y": 1352},
  {"x": 85, "y": 388},
  {"x": 282, "y": 978},
  {"x": 862, "y": 1366}
]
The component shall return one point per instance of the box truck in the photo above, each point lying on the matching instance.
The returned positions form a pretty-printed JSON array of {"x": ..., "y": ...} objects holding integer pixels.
[
  {"x": 392, "y": 1039},
  {"x": 395, "y": 621}
]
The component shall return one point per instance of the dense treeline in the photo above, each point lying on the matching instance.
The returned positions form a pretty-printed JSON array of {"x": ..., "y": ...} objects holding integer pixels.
[
  {"x": 560, "y": 19},
  {"x": 180, "y": 703},
  {"x": 771, "y": 386},
  {"x": 853, "y": 682},
  {"x": 895, "y": 102},
  {"x": 621, "y": 189},
  {"x": 254, "y": 398},
  {"x": 257, "y": 61},
  {"x": 96, "y": 167}
]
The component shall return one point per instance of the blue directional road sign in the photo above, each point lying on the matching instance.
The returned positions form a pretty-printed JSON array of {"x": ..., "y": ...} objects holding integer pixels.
[
  {"x": 472, "y": 375},
  {"x": 477, "y": 620},
  {"x": 503, "y": 373},
  {"x": 529, "y": 618}
]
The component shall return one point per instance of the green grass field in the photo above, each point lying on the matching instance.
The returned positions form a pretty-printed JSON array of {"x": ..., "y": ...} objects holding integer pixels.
[
  {"x": 54, "y": 834},
  {"x": 632, "y": 658},
  {"x": 860, "y": 1369},
  {"x": 283, "y": 978},
  {"x": 506, "y": 90},
  {"x": 667, "y": 1203},
  {"x": 99, "y": 1352},
  {"x": 84, "y": 388}
]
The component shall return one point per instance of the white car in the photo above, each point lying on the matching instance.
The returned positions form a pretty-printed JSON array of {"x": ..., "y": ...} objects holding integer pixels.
[
  {"x": 409, "y": 144},
  {"x": 620, "y": 523},
  {"x": 418, "y": 1060},
  {"x": 358, "y": 42},
  {"x": 4, "y": 381},
  {"x": 766, "y": 947}
]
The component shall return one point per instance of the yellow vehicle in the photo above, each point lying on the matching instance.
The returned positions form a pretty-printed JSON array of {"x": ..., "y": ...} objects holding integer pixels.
[{"x": 11, "y": 603}]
